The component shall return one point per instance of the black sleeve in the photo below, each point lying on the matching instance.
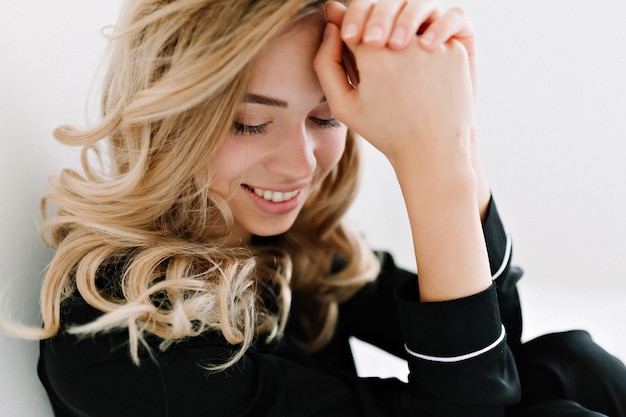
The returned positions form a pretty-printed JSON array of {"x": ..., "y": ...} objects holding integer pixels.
[
  {"x": 504, "y": 275},
  {"x": 459, "y": 361},
  {"x": 94, "y": 377},
  {"x": 372, "y": 315}
]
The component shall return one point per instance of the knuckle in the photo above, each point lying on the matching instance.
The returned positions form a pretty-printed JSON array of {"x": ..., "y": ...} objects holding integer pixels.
[
  {"x": 362, "y": 6},
  {"x": 383, "y": 14},
  {"x": 409, "y": 19},
  {"x": 317, "y": 62},
  {"x": 454, "y": 18},
  {"x": 458, "y": 12}
]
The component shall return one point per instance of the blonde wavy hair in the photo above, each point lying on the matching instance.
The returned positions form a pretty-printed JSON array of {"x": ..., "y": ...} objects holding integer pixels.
[{"x": 140, "y": 237}]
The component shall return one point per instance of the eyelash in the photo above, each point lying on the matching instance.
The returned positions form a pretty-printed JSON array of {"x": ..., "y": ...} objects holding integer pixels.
[
  {"x": 247, "y": 130},
  {"x": 242, "y": 129},
  {"x": 325, "y": 123}
]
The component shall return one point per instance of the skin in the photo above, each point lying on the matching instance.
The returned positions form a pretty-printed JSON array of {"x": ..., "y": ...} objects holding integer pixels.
[
  {"x": 398, "y": 16},
  {"x": 414, "y": 103},
  {"x": 289, "y": 144}
]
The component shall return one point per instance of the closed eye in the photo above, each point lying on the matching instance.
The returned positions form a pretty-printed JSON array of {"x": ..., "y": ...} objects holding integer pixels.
[
  {"x": 326, "y": 123},
  {"x": 243, "y": 129}
]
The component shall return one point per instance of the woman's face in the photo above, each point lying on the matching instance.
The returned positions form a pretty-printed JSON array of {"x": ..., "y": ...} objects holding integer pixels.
[{"x": 284, "y": 140}]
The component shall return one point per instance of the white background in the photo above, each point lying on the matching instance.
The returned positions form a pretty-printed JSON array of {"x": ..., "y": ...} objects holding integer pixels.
[{"x": 551, "y": 115}]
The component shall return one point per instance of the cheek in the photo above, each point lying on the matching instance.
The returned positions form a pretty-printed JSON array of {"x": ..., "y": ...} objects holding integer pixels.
[
  {"x": 331, "y": 150},
  {"x": 229, "y": 165}
]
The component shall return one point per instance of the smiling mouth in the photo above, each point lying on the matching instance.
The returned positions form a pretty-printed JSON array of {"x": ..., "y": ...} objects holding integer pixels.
[{"x": 274, "y": 196}]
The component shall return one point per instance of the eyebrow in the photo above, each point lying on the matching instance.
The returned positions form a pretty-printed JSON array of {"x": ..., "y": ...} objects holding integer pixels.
[{"x": 270, "y": 101}]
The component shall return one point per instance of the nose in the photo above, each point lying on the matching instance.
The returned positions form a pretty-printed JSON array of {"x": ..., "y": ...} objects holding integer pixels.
[{"x": 294, "y": 155}]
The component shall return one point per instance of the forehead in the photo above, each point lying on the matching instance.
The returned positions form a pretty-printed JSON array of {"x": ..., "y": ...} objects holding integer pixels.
[{"x": 289, "y": 55}]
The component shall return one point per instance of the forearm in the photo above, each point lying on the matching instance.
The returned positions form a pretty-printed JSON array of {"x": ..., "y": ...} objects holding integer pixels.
[
  {"x": 483, "y": 192},
  {"x": 415, "y": 105},
  {"x": 450, "y": 250}
]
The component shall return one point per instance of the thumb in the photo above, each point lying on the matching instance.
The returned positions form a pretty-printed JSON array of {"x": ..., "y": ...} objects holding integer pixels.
[
  {"x": 330, "y": 71},
  {"x": 335, "y": 12}
]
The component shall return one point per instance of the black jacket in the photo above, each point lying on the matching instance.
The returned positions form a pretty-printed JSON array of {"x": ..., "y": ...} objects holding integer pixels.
[{"x": 460, "y": 355}]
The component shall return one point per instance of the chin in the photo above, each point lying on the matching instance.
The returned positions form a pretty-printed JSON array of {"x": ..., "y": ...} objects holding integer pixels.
[
  {"x": 271, "y": 228},
  {"x": 269, "y": 232}
]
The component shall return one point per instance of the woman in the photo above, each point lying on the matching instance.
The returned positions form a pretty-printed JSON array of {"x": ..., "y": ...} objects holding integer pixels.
[{"x": 205, "y": 267}]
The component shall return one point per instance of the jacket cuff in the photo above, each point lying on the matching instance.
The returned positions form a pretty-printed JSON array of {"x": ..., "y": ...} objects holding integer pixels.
[
  {"x": 498, "y": 242},
  {"x": 449, "y": 331}
]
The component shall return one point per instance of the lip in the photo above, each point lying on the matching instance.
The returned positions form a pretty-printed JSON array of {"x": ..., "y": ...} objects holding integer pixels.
[{"x": 276, "y": 208}]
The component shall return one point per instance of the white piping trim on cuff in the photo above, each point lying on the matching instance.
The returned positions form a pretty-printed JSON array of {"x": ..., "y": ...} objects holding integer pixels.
[
  {"x": 461, "y": 357},
  {"x": 505, "y": 260}
]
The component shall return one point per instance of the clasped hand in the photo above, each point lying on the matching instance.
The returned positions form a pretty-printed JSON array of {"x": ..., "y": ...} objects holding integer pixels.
[{"x": 417, "y": 81}]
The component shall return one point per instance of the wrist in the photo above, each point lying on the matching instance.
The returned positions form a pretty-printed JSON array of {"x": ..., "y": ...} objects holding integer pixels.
[
  {"x": 454, "y": 178},
  {"x": 450, "y": 250}
]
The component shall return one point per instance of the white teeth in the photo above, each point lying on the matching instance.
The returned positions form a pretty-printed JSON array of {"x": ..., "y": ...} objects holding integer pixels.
[{"x": 275, "y": 196}]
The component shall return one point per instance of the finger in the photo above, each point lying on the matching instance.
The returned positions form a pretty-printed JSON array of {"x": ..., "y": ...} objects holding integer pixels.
[
  {"x": 415, "y": 15},
  {"x": 335, "y": 12},
  {"x": 330, "y": 71},
  {"x": 453, "y": 24},
  {"x": 381, "y": 22},
  {"x": 354, "y": 20}
]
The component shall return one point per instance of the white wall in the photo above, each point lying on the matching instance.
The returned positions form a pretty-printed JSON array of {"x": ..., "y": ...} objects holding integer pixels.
[
  {"x": 49, "y": 50},
  {"x": 551, "y": 113}
]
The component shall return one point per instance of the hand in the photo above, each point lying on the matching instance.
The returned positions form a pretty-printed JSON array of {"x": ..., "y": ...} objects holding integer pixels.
[
  {"x": 410, "y": 100},
  {"x": 398, "y": 22},
  {"x": 414, "y": 103},
  {"x": 434, "y": 28}
]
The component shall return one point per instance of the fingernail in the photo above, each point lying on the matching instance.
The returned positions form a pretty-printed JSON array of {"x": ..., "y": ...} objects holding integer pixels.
[
  {"x": 350, "y": 31},
  {"x": 373, "y": 34},
  {"x": 397, "y": 37},
  {"x": 427, "y": 38}
]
